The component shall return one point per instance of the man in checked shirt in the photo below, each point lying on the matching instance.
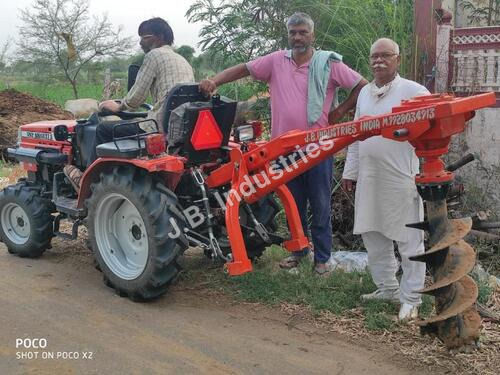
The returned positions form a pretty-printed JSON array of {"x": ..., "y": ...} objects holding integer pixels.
[{"x": 161, "y": 70}]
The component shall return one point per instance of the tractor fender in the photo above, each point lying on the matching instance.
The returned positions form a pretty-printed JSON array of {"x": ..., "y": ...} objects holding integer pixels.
[{"x": 170, "y": 168}]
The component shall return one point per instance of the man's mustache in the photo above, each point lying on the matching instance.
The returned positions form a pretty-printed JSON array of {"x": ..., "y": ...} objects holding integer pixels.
[
  {"x": 299, "y": 47},
  {"x": 380, "y": 65}
]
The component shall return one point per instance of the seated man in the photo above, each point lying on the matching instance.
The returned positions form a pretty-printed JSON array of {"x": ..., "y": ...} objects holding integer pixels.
[{"x": 160, "y": 71}]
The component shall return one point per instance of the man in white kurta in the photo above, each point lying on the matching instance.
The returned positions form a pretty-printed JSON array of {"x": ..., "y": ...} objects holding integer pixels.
[{"x": 386, "y": 197}]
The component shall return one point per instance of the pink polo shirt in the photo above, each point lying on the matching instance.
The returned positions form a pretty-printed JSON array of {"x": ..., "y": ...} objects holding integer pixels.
[{"x": 288, "y": 87}]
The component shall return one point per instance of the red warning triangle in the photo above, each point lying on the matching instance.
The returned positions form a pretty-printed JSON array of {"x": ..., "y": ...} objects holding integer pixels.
[{"x": 206, "y": 134}]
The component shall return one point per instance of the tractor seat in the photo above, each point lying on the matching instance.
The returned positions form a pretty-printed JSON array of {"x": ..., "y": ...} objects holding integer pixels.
[{"x": 124, "y": 148}]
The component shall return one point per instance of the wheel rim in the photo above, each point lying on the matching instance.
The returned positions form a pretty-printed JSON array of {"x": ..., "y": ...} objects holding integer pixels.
[
  {"x": 121, "y": 236},
  {"x": 15, "y": 223}
]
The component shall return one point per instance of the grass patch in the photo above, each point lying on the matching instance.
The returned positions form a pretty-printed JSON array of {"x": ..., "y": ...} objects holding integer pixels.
[
  {"x": 5, "y": 169},
  {"x": 426, "y": 307},
  {"x": 57, "y": 93},
  {"x": 338, "y": 293},
  {"x": 484, "y": 291},
  {"x": 378, "y": 321}
]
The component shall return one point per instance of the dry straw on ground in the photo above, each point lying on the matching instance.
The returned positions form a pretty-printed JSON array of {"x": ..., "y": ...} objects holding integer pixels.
[{"x": 406, "y": 340}]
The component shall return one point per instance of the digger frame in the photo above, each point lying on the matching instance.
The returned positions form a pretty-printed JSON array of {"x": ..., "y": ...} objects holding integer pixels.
[{"x": 427, "y": 122}]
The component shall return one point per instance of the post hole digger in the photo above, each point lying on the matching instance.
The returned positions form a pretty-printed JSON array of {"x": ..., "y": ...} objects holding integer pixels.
[{"x": 144, "y": 203}]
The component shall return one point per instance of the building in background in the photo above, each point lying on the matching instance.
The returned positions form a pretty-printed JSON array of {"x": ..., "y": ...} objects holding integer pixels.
[{"x": 457, "y": 50}]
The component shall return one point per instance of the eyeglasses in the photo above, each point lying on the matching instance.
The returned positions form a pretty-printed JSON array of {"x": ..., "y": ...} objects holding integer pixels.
[
  {"x": 383, "y": 56},
  {"x": 142, "y": 37}
]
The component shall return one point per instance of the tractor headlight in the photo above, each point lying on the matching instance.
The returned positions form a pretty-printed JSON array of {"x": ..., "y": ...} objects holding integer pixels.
[{"x": 244, "y": 133}]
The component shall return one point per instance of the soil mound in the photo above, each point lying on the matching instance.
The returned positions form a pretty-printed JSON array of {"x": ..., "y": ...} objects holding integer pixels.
[{"x": 17, "y": 108}]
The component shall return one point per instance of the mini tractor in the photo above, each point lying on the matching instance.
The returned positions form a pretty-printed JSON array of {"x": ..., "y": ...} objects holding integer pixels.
[{"x": 197, "y": 181}]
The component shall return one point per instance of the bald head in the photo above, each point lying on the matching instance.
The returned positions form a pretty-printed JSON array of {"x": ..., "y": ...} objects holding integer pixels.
[{"x": 386, "y": 44}]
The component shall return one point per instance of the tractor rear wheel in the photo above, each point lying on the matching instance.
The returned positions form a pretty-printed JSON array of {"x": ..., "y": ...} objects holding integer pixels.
[
  {"x": 26, "y": 225},
  {"x": 136, "y": 233}
]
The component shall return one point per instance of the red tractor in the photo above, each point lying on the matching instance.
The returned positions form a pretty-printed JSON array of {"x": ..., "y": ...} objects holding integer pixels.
[
  {"x": 145, "y": 200},
  {"x": 142, "y": 206}
]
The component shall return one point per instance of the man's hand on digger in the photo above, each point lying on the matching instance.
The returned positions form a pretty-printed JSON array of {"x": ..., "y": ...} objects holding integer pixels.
[
  {"x": 348, "y": 185},
  {"x": 208, "y": 86},
  {"x": 110, "y": 105}
]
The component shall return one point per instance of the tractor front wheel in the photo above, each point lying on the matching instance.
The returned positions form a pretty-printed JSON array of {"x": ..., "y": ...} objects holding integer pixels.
[{"x": 26, "y": 225}]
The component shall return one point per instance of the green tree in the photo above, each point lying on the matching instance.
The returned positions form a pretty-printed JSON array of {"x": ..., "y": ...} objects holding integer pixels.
[
  {"x": 210, "y": 62},
  {"x": 349, "y": 27},
  {"x": 241, "y": 29},
  {"x": 61, "y": 33},
  {"x": 244, "y": 29},
  {"x": 187, "y": 52}
]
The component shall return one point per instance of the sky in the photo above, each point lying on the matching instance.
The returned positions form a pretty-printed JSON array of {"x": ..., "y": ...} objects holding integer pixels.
[{"x": 128, "y": 13}]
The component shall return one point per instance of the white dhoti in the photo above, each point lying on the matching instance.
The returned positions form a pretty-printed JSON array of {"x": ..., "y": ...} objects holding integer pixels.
[{"x": 386, "y": 196}]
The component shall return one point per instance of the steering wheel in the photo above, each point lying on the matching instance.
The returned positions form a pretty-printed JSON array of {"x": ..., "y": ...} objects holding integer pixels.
[{"x": 127, "y": 115}]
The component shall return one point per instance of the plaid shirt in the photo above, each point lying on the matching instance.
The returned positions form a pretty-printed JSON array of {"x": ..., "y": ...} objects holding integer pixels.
[{"x": 161, "y": 70}]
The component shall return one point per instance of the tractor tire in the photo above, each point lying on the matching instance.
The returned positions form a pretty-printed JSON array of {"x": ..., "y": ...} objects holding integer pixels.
[
  {"x": 26, "y": 223},
  {"x": 131, "y": 233}
]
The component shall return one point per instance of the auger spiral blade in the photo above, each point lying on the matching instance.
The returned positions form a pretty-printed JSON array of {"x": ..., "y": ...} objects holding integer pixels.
[
  {"x": 460, "y": 332},
  {"x": 449, "y": 260},
  {"x": 455, "y": 231},
  {"x": 459, "y": 261},
  {"x": 453, "y": 299}
]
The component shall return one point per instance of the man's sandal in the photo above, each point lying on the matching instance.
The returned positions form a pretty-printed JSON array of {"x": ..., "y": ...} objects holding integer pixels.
[{"x": 322, "y": 271}]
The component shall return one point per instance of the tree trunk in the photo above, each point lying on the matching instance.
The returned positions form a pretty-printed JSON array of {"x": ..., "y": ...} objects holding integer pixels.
[
  {"x": 490, "y": 12},
  {"x": 107, "y": 83},
  {"x": 75, "y": 91}
]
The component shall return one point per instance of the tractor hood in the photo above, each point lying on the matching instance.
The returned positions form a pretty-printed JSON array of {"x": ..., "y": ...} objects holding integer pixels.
[
  {"x": 41, "y": 133},
  {"x": 45, "y": 127}
]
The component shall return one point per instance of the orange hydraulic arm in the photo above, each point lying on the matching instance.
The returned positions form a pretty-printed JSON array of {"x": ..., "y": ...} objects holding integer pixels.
[{"x": 427, "y": 122}]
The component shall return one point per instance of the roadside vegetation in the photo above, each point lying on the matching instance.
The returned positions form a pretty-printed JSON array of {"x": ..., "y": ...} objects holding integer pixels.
[
  {"x": 5, "y": 169},
  {"x": 57, "y": 93},
  {"x": 338, "y": 293}
]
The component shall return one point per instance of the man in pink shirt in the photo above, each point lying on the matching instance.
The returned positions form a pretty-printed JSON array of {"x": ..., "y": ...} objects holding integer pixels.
[{"x": 287, "y": 73}]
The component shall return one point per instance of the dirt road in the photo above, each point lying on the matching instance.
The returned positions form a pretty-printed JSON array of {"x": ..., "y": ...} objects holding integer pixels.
[{"x": 61, "y": 298}]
